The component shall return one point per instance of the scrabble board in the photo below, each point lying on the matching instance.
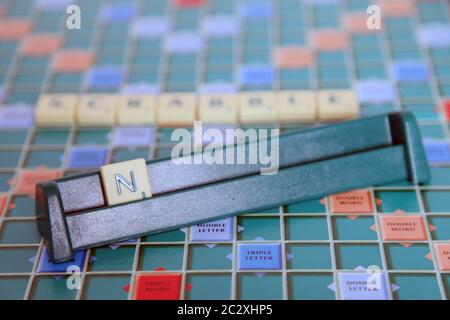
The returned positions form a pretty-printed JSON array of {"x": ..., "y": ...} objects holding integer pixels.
[{"x": 329, "y": 248}]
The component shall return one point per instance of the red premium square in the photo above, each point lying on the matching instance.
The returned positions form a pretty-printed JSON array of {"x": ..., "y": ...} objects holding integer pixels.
[
  {"x": 3, "y": 198},
  {"x": 189, "y": 3},
  {"x": 28, "y": 178},
  {"x": 446, "y": 106},
  {"x": 158, "y": 287}
]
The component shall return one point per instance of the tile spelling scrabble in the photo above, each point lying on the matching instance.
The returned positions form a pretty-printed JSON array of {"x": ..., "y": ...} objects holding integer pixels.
[{"x": 217, "y": 103}]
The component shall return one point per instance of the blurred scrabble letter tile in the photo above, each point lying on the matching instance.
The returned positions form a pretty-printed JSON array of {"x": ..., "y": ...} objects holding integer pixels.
[
  {"x": 337, "y": 105},
  {"x": 443, "y": 255},
  {"x": 97, "y": 110},
  {"x": 257, "y": 107},
  {"x": 357, "y": 201},
  {"x": 218, "y": 109},
  {"x": 157, "y": 287},
  {"x": 176, "y": 109},
  {"x": 259, "y": 256},
  {"x": 403, "y": 227},
  {"x": 297, "y": 106},
  {"x": 125, "y": 181},
  {"x": 56, "y": 110},
  {"x": 136, "y": 110}
]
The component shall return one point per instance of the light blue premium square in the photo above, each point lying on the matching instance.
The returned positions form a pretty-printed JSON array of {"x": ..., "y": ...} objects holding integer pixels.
[
  {"x": 220, "y": 230},
  {"x": 362, "y": 286},
  {"x": 259, "y": 256}
]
